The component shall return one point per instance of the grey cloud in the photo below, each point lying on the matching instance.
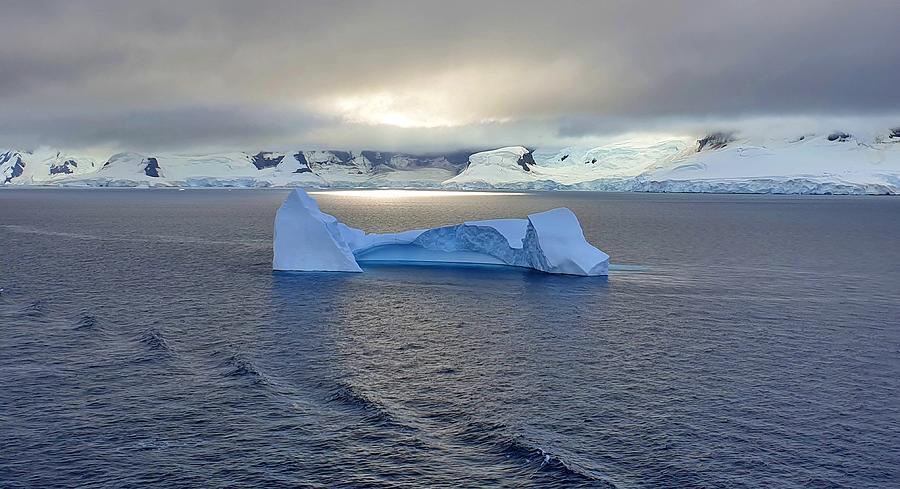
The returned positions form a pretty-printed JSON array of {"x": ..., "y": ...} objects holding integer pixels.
[
  {"x": 165, "y": 72},
  {"x": 218, "y": 128}
]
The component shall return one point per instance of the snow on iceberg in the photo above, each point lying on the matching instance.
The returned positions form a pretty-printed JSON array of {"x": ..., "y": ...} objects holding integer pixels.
[{"x": 307, "y": 239}]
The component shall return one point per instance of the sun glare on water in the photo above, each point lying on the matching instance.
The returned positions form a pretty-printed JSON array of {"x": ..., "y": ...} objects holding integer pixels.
[{"x": 398, "y": 194}]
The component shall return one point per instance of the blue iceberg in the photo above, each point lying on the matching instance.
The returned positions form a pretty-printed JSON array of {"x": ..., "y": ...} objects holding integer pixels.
[{"x": 307, "y": 239}]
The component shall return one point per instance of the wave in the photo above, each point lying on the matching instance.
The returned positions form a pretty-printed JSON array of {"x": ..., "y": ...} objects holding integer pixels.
[
  {"x": 373, "y": 411},
  {"x": 86, "y": 321},
  {"x": 536, "y": 461},
  {"x": 573, "y": 475},
  {"x": 237, "y": 365},
  {"x": 541, "y": 462},
  {"x": 446, "y": 371},
  {"x": 35, "y": 309},
  {"x": 818, "y": 483},
  {"x": 154, "y": 341}
]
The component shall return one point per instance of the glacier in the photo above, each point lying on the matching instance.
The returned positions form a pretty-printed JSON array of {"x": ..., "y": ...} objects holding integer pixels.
[
  {"x": 307, "y": 239},
  {"x": 838, "y": 162},
  {"x": 830, "y": 163}
]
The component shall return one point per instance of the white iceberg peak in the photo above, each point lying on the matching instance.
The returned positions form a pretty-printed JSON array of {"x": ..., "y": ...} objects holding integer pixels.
[{"x": 307, "y": 239}]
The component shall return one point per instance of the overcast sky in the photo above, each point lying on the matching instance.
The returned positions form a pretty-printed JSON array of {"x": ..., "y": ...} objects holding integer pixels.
[{"x": 421, "y": 75}]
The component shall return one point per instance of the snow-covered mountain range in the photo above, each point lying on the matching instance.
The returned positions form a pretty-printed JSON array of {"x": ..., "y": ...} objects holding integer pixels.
[
  {"x": 833, "y": 163},
  {"x": 237, "y": 169}
]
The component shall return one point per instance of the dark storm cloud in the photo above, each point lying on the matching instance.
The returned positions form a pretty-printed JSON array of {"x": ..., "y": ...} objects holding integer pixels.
[{"x": 152, "y": 74}]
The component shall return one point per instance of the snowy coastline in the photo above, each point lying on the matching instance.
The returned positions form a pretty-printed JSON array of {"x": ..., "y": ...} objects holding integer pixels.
[{"x": 825, "y": 164}]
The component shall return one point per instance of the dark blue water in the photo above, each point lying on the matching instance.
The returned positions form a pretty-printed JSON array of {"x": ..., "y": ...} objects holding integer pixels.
[{"x": 750, "y": 342}]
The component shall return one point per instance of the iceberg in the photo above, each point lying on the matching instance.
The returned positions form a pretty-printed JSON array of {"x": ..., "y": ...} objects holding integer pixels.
[{"x": 307, "y": 239}]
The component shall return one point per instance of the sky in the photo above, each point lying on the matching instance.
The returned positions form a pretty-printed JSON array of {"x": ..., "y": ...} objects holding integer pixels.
[{"x": 436, "y": 75}]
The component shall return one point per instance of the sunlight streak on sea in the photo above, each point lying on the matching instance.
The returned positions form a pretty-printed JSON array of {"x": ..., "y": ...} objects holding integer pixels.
[{"x": 396, "y": 194}]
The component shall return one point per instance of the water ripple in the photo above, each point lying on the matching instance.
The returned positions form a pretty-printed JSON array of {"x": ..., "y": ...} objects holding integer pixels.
[{"x": 145, "y": 342}]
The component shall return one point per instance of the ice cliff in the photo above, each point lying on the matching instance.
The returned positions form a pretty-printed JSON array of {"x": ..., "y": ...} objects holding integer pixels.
[{"x": 307, "y": 239}]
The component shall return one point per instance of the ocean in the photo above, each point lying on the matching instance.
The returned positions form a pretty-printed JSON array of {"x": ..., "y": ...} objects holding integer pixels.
[{"x": 739, "y": 341}]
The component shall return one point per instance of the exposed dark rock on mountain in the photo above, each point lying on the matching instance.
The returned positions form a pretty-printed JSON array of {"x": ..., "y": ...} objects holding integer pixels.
[
  {"x": 526, "y": 161},
  {"x": 715, "y": 140},
  {"x": 304, "y": 165},
  {"x": 151, "y": 169},
  {"x": 839, "y": 136},
  {"x": 66, "y": 167},
  {"x": 17, "y": 168},
  {"x": 378, "y": 158},
  {"x": 344, "y": 157},
  {"x": 266, "y": 160},
  {"x": 382, "y": 160}
]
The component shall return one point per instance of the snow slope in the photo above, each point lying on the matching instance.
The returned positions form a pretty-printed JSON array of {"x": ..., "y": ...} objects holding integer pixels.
[
  {"x": 306, "y": 239},
  {"x": 555, "y": 169},
  {"x": 813, "y": 164},
  {"x": 834, "y": 163},
  {"x": 23, "y": 167},
  {"x": 238, "y": 169},
  {"x": 830, "y": 163}
]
